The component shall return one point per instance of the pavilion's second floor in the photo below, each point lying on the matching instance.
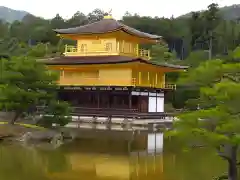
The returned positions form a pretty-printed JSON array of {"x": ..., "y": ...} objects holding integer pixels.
[
  {"x": 109, "y": 71},
  {"x": 114, "y": 77}
]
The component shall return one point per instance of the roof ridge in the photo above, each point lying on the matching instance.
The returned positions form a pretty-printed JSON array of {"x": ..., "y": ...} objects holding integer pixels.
[
  {"x": 85, "y": 25},
  {"x": 106, "y": 26}
]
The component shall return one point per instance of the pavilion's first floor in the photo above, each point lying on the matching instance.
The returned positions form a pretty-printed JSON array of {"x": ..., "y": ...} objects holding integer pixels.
[{"x": 114, "y": 98}]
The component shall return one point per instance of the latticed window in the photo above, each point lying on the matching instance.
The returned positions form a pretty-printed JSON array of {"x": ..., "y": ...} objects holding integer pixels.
[
  {"x": 108, "y": 47},
  {"x": 83, "y": 48}
]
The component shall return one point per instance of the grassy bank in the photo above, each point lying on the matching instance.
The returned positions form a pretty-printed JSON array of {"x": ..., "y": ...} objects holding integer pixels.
[{"x": 17, "y": 130}]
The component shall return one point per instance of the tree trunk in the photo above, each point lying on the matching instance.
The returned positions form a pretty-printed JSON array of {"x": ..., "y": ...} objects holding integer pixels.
[
  {"x": 15, "y": 117},
  {"x": 232, "y": 164}
]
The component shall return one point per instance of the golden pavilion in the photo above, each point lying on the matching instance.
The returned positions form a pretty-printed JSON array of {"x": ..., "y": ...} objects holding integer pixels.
[{"x": 108, "y": 70}]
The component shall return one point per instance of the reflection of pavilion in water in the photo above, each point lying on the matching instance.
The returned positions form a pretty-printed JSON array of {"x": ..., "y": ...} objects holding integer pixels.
[{"x": 100, "y": 164}]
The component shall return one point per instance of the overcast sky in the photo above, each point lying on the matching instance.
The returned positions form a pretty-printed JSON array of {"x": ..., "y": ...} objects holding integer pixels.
[{"x": 160, "y": 8}]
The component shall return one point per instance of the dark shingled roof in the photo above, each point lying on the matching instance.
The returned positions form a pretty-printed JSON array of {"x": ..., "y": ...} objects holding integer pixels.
[
  {"x": 85, "y": 60},
  {"x": 105, "y": 26}
]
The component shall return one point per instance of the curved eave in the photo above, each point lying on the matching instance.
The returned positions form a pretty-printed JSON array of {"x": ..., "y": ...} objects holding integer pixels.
[
  {"x": 143, "y": 37},
  {"x": 172, "y": 66},
  {"x": 87, "y": 62},
  {"x": 59, "y": 31}
]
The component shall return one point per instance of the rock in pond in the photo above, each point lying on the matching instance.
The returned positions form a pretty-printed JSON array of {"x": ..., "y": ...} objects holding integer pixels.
[{"x": 51, "y": 136}]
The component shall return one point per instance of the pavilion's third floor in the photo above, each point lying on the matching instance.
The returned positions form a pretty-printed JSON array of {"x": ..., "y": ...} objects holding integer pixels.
[{"x": 107, "y": 37}]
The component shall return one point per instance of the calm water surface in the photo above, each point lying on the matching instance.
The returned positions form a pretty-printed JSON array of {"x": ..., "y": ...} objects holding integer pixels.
[{"x": 106, "y": 160}]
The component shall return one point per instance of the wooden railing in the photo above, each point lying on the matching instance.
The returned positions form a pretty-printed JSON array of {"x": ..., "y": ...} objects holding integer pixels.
[
  {"x": 74, "y": 51},
  {"x": 112, "y": 82}
]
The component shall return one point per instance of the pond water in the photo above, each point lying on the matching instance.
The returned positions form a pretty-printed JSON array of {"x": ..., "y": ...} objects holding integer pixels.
[{"x": 106, "y": 160}]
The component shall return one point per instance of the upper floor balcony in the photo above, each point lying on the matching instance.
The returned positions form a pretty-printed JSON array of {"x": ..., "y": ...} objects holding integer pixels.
[{"x": 108, "y": 49}]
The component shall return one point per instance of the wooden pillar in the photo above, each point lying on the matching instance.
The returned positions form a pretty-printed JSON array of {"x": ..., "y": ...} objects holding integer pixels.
[
  {"x": 118, "y": 47},
  {"x": 98, "y": 98},
  {"x": 156, "y": 102},
  {"x": 164, "y": 81},
  {"x": 137, "y": 50},
  {"x": 139, "y": 106},
  {"x": 130, "y": 99},
  {"x": 148, "y": 102},
  {"x": 109, "y": 93},
  {"x": 148, "y": 75},
  {"x": 156, "y": 80},
  {"x": 139, "y": 78}
]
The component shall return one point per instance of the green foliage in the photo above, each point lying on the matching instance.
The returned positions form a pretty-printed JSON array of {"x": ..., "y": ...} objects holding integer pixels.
[
  {"x": 182, "y": 97},
  {"x": 160, "y": 53},
  {"x": 236, "y": 53},
  {"x": 57, "y": 112},
  {"x": 40, "y": 50},
  {"x": 25, "y": 83},
  {"x": 195, "y": 58},
  {"x": 169, "y": 108},
  {"x": 217, "y": 122},
  {"x": 227, "y": 12},
  {"x": 182, "y": 35}
]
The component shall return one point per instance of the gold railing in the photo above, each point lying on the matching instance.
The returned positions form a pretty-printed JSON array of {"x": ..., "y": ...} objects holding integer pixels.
[
  {"x": 153, "y": 85},
  {"x": 169, "y": 86},
  {"x": 74, "y": 51},
  {"x": 112, "y": 82}
]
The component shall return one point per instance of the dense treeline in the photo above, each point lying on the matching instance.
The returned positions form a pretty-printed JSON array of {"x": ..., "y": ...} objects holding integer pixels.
[{"x": 182, "y": 35}]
